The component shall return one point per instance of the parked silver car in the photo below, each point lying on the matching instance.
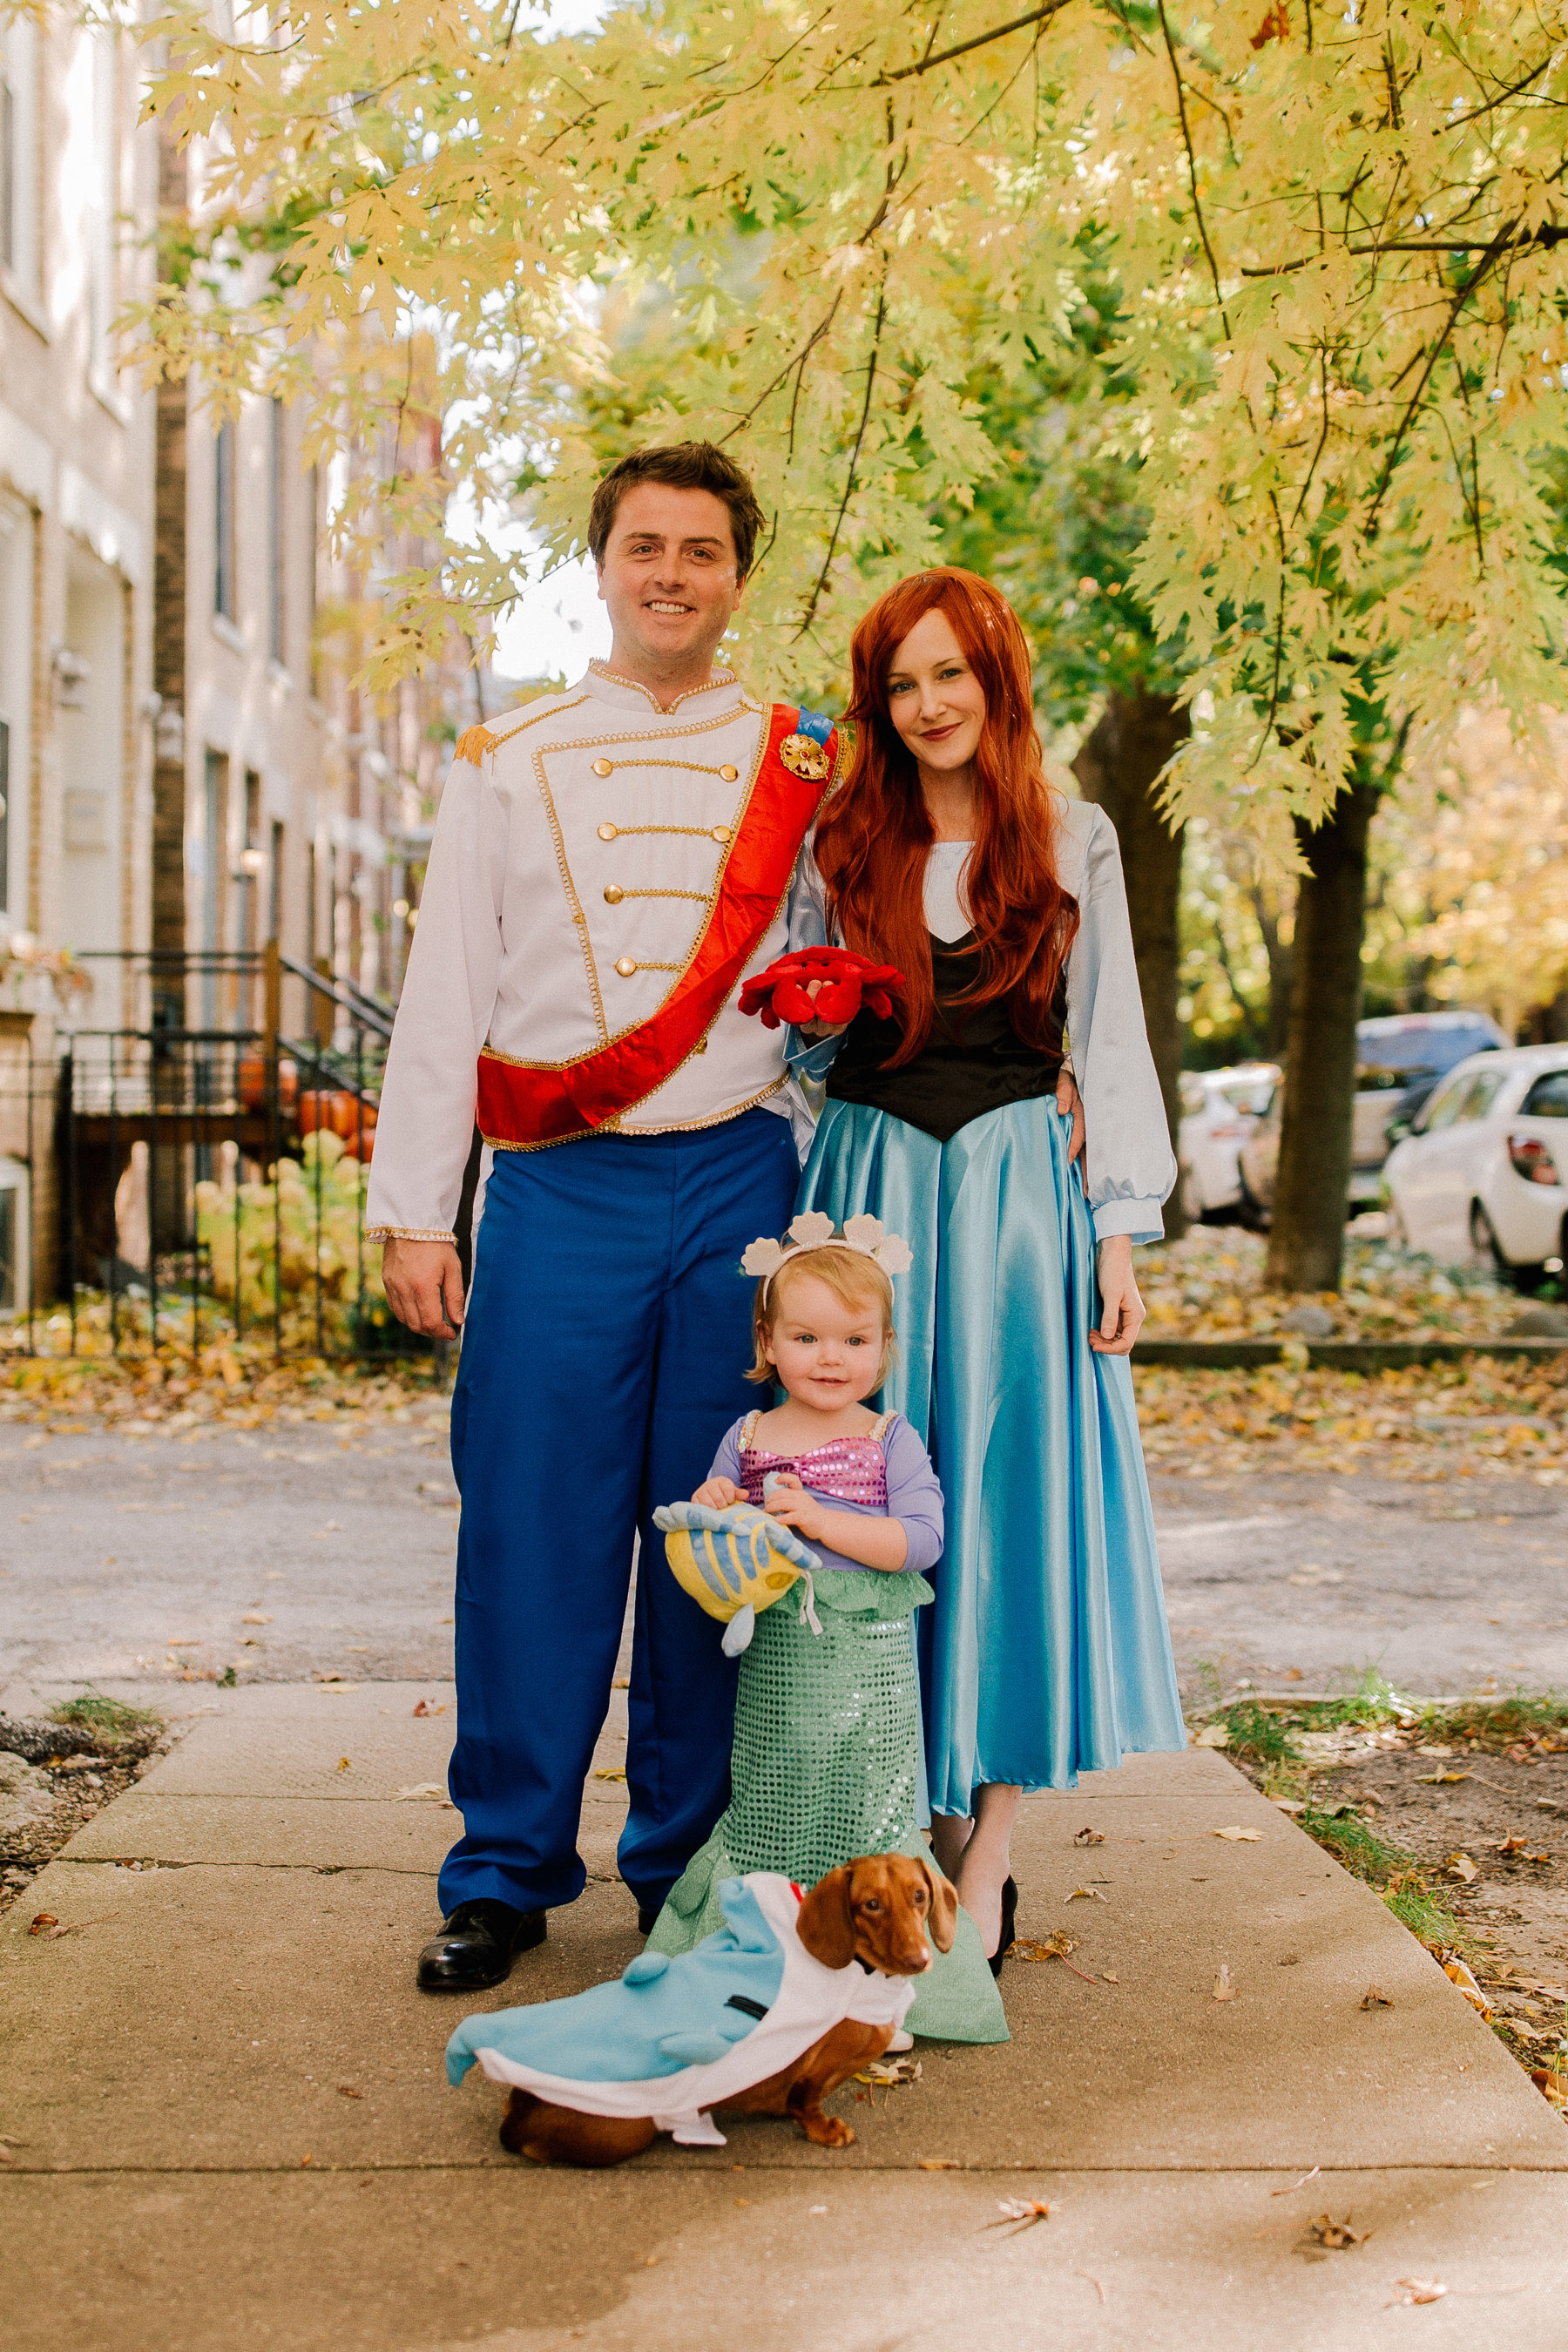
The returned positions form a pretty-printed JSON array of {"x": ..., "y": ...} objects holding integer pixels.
[
  {"x": 1484, "y": 1171},
  {"x": 1219, "y": 1111},
  {"x": 1400, "y": 1058}
]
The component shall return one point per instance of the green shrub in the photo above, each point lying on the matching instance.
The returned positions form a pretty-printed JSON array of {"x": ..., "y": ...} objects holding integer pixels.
[{"x": 295, "y": 1243}]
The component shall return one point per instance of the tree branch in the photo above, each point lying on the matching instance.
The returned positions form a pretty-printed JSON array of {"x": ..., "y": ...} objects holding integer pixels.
[
  {"x": 1547, "y": 236},
  {"x": 963, "y": 49},
  {"x": 819, "y": 590},
  {"x": 1461, "y": 296},
  {"x": 1192, "y": 167}
]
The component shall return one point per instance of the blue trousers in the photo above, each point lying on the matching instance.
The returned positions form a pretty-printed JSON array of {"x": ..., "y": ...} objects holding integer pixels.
[{"x": 608, "y": 1335}]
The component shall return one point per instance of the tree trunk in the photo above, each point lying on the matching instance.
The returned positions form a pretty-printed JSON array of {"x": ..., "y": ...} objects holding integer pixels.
[
  {"x": 1117, "y": 767},
  {"x": 1306, "y": 1244}
]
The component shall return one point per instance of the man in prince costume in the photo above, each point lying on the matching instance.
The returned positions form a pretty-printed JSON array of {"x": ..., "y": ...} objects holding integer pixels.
[{"x": 610, "y": 866}]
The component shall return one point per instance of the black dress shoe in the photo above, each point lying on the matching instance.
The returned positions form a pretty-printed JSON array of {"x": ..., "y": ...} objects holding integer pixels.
[
  {"x": 648, "y": 1918},
  {"x": 477, "y": 1946},
  {"x": 1009, "y": 1927}
]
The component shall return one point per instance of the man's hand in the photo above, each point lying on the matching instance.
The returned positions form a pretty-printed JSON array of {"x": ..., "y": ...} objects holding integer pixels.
[
  {"x": 1069, "y": 1102},
  {"x": 424, "y": 1285},
  {"x": 1124, "y": 1309},
  {"x": 718, "y": 1494}
]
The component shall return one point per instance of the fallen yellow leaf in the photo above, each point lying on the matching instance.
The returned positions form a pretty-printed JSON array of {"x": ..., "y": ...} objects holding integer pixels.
[
  {"x": 1240, "y": 1837},
  {"x": 1419, "y": 2291},
  {"x": 1222, "y": 1987},
  {"x": 1338, "y": 2234},
  {"x": 610, "y": 1773}
]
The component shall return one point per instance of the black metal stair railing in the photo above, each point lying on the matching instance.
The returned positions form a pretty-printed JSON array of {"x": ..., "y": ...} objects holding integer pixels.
[{"x": 212, "y": 1175}]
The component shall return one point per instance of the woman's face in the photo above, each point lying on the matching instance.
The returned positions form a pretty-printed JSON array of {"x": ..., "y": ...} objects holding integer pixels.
[{"x": 934, "y": 698}]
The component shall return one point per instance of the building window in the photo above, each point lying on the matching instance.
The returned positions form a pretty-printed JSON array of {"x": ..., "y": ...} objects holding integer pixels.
[
  {"x": 4, "y": 815},
  {"x": 224, "y": 485},
  {"x": 275, "y": 882},
  {"x": 215, "y": 869},
  {"x": 100, "y": 207},
  {"x": 311, "y": 570},
  {"x": 277, "y": 546},
  {"x": 19, "y": 153}
]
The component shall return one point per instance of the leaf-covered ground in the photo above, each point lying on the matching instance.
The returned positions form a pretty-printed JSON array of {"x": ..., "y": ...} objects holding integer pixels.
[
  {"x": 1210, "y": 1285},
  {"x": 1458, "y": 1813},
  {"x": 1480, "y": 1418},
  {"x": 241, "y": 1383}
]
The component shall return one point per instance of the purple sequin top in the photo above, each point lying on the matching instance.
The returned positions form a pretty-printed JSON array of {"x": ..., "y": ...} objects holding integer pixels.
[
  {"x": 887, "y": 1474},
  {"x": 846, "y": 1470}
]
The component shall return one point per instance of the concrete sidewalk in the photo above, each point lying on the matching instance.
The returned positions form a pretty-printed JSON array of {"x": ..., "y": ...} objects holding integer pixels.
[{"x": 228, "y": 2124}]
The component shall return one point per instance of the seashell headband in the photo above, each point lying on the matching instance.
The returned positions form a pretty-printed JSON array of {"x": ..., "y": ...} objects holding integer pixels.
[{"x": 862, "y": 1237}]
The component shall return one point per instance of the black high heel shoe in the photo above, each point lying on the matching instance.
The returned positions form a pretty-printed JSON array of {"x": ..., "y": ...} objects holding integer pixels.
[{"x": 1009, "y": 1925}]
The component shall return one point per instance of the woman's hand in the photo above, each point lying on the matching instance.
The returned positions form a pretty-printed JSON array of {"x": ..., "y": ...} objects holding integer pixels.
[
  {"x": 821, "y": 1028},
  {"x": 790, "y": 1502},
  {"x": 718, "y": 1494},
  {"x": 1069, "y": 1102},
  {"x": 1122, "y": 1313}
]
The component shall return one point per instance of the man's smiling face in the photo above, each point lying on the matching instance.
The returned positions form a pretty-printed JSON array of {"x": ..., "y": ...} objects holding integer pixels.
[{"x": 669, "y": 579}]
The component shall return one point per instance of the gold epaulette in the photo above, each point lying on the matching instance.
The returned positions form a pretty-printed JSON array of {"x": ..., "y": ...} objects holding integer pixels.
[{"x": 474, "y": 744}]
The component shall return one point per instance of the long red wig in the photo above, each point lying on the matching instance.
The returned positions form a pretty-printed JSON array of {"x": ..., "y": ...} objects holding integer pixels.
[{"x": 872, "y": 840}]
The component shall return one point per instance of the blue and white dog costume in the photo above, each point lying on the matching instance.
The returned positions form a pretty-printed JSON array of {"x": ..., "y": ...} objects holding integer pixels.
[{"x": 673, "y": 2039}]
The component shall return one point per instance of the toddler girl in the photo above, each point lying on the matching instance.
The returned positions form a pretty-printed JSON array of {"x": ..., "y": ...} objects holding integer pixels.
[{"x": 826, "y": 1764}]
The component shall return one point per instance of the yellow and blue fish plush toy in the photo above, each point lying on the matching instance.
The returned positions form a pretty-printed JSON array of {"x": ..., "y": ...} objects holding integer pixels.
[{"x": 735, "y": 1561}]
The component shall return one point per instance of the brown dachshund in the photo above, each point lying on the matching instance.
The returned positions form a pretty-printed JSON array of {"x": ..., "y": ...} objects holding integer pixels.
[{"x": 878, "y": 1910}]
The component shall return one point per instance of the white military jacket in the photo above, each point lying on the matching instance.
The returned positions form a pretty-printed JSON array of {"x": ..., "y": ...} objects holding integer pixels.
[{"x": 572, "y": 873}]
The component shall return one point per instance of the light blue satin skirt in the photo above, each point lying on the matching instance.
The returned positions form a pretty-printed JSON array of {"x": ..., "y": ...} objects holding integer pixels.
[{"x": 1046, "y": 1652}]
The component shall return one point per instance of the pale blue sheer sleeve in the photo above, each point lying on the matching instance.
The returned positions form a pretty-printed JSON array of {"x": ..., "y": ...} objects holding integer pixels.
[
  {"x": 810, "y": 1058},
  {"x": 1131, "y": 1167}
]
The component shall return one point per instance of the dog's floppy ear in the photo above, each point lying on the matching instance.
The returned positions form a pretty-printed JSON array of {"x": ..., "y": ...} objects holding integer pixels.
[
  {"x": 943, "y": 1920},
  {"x": 825, "y": 1924}
]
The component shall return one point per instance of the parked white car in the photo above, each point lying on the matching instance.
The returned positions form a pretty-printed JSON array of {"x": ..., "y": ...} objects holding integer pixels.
[
  {"x": 1483, "y": 1169},
  {"x": 1219, "y": 1109}
]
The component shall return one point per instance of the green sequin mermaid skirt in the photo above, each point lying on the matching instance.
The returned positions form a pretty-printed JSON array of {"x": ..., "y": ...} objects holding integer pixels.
[{"x": 827, "y": 1765}]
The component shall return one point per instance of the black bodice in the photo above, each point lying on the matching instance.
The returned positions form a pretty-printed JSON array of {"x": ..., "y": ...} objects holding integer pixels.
[{"x": 972, "y": 1063}]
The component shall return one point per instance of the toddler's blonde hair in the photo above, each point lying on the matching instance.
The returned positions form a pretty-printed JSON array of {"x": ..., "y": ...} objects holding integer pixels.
[{"x": 853, "y": 1278}]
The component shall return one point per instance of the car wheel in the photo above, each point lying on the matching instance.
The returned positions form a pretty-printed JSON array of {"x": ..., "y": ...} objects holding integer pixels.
[
  {"x": 1250, "y": 1210},
  {"x": 1485, "y": 1243}
]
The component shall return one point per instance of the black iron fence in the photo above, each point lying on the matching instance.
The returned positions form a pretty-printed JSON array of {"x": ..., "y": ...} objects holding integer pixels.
[{"x": 211, "y": 1162}]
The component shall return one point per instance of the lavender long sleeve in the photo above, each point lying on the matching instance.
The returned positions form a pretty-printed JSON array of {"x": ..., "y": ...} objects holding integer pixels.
[{"x": 914, "y": 1496}]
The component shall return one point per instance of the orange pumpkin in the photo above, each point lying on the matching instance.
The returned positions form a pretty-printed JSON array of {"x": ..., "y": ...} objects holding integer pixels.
[{"x": 252, "y": 1082}]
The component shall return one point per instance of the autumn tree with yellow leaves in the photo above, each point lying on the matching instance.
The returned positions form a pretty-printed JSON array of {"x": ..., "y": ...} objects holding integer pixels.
[{"x": 1333, "y": 236}]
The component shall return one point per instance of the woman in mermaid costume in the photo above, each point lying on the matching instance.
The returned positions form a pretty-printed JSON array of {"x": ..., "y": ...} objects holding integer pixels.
[{"x": 826, "y": 1764}]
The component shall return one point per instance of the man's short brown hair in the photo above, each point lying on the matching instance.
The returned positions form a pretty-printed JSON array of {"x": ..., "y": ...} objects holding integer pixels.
[{"x": 683, "y": 465}]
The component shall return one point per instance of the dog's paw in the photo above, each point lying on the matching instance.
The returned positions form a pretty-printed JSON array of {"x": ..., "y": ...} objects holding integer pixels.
[{"x": 827, "y": 2131}]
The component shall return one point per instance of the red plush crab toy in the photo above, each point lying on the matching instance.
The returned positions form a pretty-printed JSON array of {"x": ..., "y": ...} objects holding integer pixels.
[{"x": 848, "y": 983}]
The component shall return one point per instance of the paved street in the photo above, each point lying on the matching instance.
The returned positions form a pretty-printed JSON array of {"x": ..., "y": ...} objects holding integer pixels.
[{"x": 133, "y": 1556}]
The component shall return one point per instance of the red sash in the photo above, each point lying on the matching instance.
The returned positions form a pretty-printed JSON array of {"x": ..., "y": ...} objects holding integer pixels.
[{"x": 524, "y": 1103}]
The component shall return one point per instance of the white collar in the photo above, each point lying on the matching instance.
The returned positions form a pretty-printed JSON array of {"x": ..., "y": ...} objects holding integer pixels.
[{"x": 722, "y": 691}]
